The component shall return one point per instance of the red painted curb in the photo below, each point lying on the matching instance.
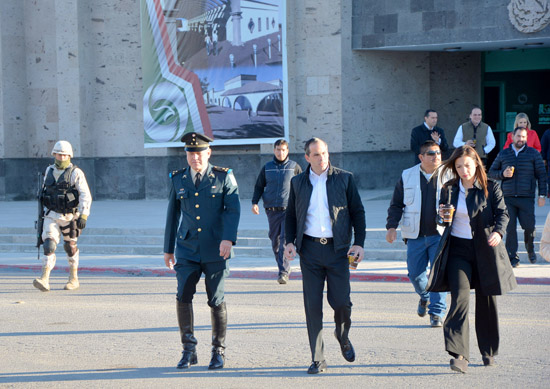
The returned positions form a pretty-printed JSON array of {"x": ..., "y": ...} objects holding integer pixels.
[{"x": 251, "y": 274}]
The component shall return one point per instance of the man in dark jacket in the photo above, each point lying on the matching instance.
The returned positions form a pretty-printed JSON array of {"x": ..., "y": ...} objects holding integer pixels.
[
  {"x": 323, "y": 208},
  {"x": 520, "y": 168},
  {"x": 427, "y": 131},
  {"x": 273, "y": 185}
]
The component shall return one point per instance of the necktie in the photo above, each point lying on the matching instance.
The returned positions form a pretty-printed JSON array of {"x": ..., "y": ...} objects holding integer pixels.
[{"x": 197, "y": 180}]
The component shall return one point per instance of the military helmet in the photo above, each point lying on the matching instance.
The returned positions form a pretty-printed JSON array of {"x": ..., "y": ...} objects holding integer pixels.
[{"x": 63, "y": 147}]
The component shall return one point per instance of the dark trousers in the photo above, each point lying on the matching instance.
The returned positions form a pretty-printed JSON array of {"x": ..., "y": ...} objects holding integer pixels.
[
  {"x": 188, "y": 274},
  {"x": 522, "y": 208},
  {"x": 463, "y": 275},
  {"x": 276, "y": 221},
  {"x": 319, "y": 263}
]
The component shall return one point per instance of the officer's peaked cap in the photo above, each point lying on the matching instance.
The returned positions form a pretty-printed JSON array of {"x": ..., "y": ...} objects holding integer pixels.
[{"x": 195, "y": 141}]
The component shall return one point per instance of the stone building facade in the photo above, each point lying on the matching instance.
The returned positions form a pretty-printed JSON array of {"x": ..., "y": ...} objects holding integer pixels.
[{"x": 360, "y": 73}]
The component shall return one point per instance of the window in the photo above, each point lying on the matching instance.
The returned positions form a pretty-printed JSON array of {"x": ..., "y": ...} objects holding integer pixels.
[{"x": 259, "y": 24}]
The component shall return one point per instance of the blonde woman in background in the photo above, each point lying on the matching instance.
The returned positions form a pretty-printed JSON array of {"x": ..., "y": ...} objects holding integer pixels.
[{"x": 522, "y": 120}]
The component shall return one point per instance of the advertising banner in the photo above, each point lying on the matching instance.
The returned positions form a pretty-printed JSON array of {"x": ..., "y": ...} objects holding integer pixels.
[{"x": 216, "y": 67}]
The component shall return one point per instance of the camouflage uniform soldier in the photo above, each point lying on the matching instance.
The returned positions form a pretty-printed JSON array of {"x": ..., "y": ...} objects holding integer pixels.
[{"x": 66, "y": 199}]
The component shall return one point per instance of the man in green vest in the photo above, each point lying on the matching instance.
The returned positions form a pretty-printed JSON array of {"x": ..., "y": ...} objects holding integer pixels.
[{"x": 475, "y": 133}]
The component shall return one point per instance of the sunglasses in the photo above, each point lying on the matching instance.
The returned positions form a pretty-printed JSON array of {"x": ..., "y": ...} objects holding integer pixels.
[{"x": 431, "y": 153}]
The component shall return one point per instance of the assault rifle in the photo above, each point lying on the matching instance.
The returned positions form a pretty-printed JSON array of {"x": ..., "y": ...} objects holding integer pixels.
[{"x": 39, "y": 224}]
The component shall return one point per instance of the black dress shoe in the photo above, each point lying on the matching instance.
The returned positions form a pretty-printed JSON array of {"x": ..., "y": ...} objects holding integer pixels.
[
  {"x": 532, "y": 257},
  {"x": 317, "y": 367},
  {"x": 187, "y": 359},
  {"x": 218, "y": 359},
  {"x": 347, "y": 349}
]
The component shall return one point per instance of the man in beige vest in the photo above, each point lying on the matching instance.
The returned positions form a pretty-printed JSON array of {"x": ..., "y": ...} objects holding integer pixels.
[{"x": 475, "y": 133}]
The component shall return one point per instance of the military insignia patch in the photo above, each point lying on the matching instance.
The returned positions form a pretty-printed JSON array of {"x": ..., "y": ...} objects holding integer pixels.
[{"x": 221, "y": 169}]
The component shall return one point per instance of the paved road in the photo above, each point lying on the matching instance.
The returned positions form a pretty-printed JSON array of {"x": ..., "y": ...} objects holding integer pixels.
[{"x": 119, "y": 331}]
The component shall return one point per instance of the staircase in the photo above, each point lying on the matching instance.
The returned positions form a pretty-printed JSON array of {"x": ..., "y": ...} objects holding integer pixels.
[{"x": 149, "y": 242}]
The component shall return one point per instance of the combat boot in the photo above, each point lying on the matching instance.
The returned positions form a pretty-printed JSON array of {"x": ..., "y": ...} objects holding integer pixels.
[
  {"x": 219, "y": 329},
  {"x": 188, "y": 340},
  {"x": 43, "y": 283},
  {"x": 73, "y": 278}
]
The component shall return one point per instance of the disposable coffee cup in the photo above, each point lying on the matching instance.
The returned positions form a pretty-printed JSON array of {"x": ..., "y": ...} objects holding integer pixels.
[
  {"x": 448, "y": 211},
  {"x": 353, "y": 261}
]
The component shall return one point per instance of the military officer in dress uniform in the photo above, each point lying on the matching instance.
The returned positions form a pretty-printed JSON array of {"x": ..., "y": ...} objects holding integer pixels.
[{"x": 204, "y": 201}]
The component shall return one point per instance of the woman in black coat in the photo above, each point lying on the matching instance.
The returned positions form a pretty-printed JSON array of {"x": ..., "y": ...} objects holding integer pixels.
[{"x": 471, "y": 255}]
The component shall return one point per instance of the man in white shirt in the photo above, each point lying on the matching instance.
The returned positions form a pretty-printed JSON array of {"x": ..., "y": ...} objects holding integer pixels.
[
  {"x": 476, "y": 134},
  {"x": 323, "y": 208}
]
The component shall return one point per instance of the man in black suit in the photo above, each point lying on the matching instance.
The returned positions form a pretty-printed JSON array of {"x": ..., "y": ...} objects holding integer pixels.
[
  {"x": 323, "y": 207},
  {"x": 428, "y": 131}
]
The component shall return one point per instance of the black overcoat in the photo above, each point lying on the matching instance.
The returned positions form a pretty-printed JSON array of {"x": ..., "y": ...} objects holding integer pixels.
[{"x": 487, "y": 215}]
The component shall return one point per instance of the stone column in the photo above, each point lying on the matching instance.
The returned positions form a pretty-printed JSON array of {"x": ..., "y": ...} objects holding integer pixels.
[
  {"x": 14, "y": 137},
  {"x": 68, "y": 61},
  {"x": 236, "y": 16}
]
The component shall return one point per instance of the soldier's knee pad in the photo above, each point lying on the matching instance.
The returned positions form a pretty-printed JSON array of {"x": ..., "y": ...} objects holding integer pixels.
[
  {"x": 49, "y": 247},
  {"x": 70, "y": 248}
]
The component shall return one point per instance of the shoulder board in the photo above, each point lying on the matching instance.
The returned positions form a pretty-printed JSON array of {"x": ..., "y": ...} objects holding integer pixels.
[
  {"x": 175, "y": 172},
  {"x": 221, "y": 169}
]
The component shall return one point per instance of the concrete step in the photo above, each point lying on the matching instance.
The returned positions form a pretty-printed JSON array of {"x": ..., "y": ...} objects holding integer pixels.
[
  {"x": 124, "y": 240},
  {"x": 371, "y": 233},
  {"x": 140, "y": 241}
]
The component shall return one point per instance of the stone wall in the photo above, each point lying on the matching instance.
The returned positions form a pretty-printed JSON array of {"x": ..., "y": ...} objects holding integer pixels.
[
  {"x": 408, "y": 23},
  {"x": 71, "y": 69},
  {"x": 136, "y": 178}
]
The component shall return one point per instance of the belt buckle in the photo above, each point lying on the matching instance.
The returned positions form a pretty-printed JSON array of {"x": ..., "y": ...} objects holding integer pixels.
[{"x": 323, "y": 241}]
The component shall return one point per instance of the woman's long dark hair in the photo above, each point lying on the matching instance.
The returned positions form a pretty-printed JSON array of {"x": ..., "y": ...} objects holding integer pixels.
[{"x": 466, "y": 151}]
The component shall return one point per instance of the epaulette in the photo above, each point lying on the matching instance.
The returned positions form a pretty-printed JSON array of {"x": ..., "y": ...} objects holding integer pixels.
[
  {"x": 221, "y": 169},
  {"x": 173, "y": 173}
]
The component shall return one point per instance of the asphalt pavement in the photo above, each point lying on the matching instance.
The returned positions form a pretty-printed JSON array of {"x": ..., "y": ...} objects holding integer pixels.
[
  {"x": 119, "y": 329},
  {"x": 121, "y": 332}
]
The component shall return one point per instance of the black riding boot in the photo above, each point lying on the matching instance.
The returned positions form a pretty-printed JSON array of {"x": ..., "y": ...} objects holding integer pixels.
[
  {"x": 188, "y": 340},
  {"x": 219, "y": 327}
]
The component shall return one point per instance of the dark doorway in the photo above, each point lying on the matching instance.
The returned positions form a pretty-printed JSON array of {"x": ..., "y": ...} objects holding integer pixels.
[{"x": 492, "y": 116}]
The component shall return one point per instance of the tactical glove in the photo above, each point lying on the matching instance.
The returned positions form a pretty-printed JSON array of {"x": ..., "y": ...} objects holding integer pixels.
[{"x": 81, "y": 223}]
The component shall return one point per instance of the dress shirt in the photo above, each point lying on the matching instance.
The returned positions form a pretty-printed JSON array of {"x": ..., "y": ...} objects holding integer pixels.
[
  {"x": 489, "y": 140},
  {"x": 461, "y": 222},
  {"x": 194, "y": 173},
  {"x": 318, "y": 223}
]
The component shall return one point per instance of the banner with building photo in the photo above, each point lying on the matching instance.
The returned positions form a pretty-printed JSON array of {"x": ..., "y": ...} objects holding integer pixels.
[{"x": 215, "y": 67}]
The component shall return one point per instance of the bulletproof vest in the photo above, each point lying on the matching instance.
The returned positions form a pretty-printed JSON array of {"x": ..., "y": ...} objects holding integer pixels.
[{"x": 60, "y": 196}]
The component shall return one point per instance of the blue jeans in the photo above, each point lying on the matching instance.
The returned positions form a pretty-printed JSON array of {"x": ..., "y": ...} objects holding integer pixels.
[
  {"x": 276, "y": 221},
  {"x": 421, "y": 254}
]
